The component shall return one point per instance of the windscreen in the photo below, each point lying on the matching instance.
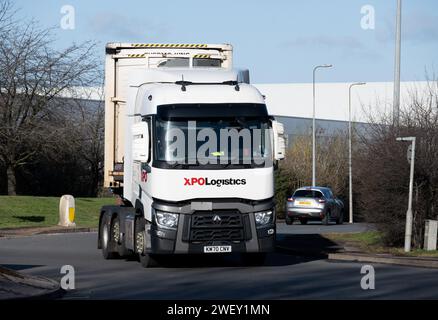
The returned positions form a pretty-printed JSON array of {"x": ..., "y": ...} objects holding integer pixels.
[{"x": 218, "y": 142}]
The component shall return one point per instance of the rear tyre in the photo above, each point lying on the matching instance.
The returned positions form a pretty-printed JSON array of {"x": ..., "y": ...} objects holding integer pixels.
[
  {"x": 289, "y": 220},
  {"x": 106, "y": 239},
  {"x": 146, "y": 260},
  {"x": 118, "y": 240},
  {"x": 303, "y": 221},
  {"x": 326, "y": 219},
  {"x": 254, "y": 259}
]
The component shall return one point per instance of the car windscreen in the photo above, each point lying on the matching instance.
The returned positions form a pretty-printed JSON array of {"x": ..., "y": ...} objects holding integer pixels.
[{"x": 308, "y": 194}]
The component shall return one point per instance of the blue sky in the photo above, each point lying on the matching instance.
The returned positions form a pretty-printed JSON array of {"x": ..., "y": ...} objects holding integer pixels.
[{"x": 279, "y": 41}]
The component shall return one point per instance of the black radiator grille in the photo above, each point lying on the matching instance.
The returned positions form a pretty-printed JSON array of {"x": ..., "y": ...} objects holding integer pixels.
[
  {"x": 217, "y": 220},
  {"x": 216, "y": 234},
  {"x": 219, "y": 225}
]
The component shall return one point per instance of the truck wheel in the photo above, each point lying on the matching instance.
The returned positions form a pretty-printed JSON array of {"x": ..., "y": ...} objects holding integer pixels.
[
  {"x": 106, "y": 239},
  {"x": 289, "y": 220},
  {"x": 254, "y": 259},
  {"x": 118, "y": 241},
  {"x": 146, "y": 259}
]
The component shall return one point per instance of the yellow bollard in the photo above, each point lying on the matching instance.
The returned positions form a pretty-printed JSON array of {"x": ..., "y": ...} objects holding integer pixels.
[{"x": 67, "y": 211}]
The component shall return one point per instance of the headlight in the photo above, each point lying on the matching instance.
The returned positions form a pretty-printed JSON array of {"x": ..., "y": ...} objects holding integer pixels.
[
  {"x": 263, "y": 218},
  {"x": 166, "y": 219}
]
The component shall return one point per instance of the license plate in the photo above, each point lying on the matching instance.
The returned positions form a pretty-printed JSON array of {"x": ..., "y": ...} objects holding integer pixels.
[
  {"x": 217, "y": 249},
  {"x": 305, "y": 202}
]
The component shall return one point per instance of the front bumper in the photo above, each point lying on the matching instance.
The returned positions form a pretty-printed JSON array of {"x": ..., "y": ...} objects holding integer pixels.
[{"x": 245, "y": 238}]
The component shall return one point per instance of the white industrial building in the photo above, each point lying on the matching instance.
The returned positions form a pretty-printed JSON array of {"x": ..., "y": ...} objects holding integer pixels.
[{"x": 292, "y": 103}]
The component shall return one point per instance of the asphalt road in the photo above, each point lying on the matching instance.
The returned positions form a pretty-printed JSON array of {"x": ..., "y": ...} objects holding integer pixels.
[{"x": 283, "y": 277}]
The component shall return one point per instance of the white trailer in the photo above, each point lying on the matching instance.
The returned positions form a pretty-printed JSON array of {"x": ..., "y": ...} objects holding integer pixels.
[
  {"x": 191, "y": 149},
  {"x": 124, "y": 61}
]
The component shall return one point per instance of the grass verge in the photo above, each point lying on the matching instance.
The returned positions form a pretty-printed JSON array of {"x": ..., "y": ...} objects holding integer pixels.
[
  {"x": 28, "y": 211},
  {"x": 371, "y": 242}
]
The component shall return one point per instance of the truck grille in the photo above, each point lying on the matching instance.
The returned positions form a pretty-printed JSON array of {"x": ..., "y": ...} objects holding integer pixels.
[
  {"x": 216, "y": 234},
  {"x": 221, "y": 225},
  {"x": 210, "y": 220}
]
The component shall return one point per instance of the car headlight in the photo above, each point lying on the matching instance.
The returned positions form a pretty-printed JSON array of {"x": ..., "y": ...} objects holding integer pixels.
[
  {"x": 263, "y": 218},
  {"x": 166, "y": 219}
]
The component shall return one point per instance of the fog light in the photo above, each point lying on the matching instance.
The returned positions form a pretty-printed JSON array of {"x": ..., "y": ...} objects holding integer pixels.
[{"x": 271, "y": 231}]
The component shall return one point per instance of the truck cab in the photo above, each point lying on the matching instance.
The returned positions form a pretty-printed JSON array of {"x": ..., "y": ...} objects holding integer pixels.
[{"x": 196, "y": 174}]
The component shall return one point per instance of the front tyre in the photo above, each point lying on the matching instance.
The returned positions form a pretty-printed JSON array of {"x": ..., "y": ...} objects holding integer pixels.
[
  {"x": 289, "y": 220},
  {"x": 146, "y": 260}
]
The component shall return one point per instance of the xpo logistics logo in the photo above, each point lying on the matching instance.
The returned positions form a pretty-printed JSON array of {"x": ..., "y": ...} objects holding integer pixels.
[{"x": 213, "y": 182}]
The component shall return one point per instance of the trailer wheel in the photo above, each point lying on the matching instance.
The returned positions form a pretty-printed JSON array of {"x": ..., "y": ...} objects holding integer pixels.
[
  {"x": 106, "y": 240},
  {"x": 145, "y": 259}
]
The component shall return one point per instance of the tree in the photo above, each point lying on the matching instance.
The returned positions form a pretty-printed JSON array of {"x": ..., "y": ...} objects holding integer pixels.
[
  {"x": 33, "y": 78},
  {"x": 382, "y": 174},
  {"x": 88, "y": 135},
  {"x": 331, "y": 166}
]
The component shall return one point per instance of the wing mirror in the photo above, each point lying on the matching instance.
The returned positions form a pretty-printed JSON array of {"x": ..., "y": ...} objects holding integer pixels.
[
  {"x": 140, "y": 141},
  {"x": 279, "y": 140}
]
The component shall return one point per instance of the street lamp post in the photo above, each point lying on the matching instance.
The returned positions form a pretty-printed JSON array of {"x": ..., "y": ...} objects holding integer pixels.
[
  {"x": 411, "y": 158},
  {"x": 350, "y": 166},
  {"x": 396, "y": 102},
  {"x": 313, "y": 126}
]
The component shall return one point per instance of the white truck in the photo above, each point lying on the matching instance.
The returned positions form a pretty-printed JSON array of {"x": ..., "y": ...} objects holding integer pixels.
[{"x": 190, "y": 150}]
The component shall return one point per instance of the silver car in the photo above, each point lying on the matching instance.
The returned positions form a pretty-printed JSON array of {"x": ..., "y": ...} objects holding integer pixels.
[{"x": 314, "y": 203}]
